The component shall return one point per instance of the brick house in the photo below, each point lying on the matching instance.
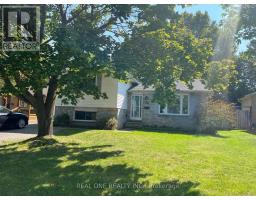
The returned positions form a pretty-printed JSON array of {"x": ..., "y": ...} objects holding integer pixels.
[{"x": 132, "y": 105}]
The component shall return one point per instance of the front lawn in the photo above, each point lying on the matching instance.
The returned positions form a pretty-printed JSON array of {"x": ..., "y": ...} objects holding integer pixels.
[{"x": 96, "y": 162}]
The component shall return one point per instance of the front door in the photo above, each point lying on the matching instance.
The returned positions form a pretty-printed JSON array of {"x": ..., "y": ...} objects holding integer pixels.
[{"x": 136, "y": 103}]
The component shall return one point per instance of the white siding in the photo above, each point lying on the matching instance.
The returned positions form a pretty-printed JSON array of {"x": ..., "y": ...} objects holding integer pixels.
[
  {"x": 109, "y": 86},
  {"x": 122, "y": 95}
]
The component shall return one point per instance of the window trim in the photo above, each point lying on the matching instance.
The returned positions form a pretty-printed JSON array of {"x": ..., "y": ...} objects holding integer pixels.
[
  {"x": 181, "y": 105},
  {"x": 82, "y": 120}
]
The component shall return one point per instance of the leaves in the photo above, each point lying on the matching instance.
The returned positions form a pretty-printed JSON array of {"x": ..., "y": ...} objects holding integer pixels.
[
  {"x": 75, "y": 48},
  {"x": 164, "y": 56},
  {"x": 220, "y": 74}
]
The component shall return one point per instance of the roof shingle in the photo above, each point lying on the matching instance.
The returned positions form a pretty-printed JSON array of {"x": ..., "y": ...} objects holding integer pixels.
[{"x": 181, "y": 86}]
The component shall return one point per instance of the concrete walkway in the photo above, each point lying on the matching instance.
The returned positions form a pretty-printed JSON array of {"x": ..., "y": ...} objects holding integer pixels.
[{"x": 21, "y": 134}]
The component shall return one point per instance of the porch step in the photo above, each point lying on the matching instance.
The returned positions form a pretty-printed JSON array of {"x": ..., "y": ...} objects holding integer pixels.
[{"x": 133, "y": 124}]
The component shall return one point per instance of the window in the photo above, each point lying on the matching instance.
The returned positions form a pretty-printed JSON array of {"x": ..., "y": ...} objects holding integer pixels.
[
  {"x": 179, "y": 107},
  {"x": 85, "y": 116}
]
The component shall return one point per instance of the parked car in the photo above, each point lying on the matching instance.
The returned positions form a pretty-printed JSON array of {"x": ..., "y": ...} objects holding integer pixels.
[{"x": 10, "y": 119}]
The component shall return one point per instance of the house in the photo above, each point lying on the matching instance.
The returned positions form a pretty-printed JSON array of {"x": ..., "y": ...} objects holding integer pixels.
[
  {"x": 248, "y": 105},
  {"x": 132, "y": 105},
  {"x": 16, "y": 104},
  {"x": 88, "y": 111}
]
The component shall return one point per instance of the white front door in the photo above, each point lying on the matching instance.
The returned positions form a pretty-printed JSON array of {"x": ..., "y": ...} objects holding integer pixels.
[{"x": 136, "y": 103}]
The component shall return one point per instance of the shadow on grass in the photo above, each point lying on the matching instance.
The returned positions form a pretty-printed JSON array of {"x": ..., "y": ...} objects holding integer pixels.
[
  {"x": 49, "y": 167},
  {"x": 180, "y": 131},
  {"x": 251, "y": 132},
  {"x": 66, "y": 131}
]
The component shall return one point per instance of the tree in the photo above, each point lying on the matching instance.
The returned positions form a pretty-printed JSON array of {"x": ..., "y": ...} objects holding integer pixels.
[
  {"x": 201, "y": 26},
  {"x": 244, "y": 82},
  {"x": 75, "y": 45},
  {"x": 219, "y": 75},
  {"x": 150, "y": 42},
  {"x": 163, "y": 52},
  {"x": 247, "y": 23}
]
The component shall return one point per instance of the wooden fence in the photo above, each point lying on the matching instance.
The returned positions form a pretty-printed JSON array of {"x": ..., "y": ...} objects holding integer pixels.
[{"x": 243, "y": 119}]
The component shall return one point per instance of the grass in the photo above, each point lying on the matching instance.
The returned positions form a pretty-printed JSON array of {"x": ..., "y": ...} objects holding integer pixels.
[{"x": 94, "y": 162}]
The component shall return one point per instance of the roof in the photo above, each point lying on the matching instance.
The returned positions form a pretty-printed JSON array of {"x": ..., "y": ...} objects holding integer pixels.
[
  {"x": 248, "y": 95},
  {"x": 198, "y": 86}
]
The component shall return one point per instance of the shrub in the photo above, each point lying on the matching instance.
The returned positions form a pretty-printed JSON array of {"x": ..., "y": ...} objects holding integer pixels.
[
  {"x": 107, "y": 123},
  {"x": 111, "y": 124},
  {"x": 217, "y": 115},
  {"x": 101, "y": 123},
  {"x": 61, "y": 120}
]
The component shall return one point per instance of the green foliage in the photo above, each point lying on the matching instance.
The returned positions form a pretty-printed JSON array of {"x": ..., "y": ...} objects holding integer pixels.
[
  {"x": 61, "y": 120},
  {"x": 76, "y": 41},
  {"x": 244, "y": 81},
  {"x": 247, "y": 23},
  {"x": 201, "y": 25},
  {"x": 75, "y": 47},
  {"x": 164, "y": 56},
  {"x": 101, "y": 123},
  {"x": 153, "y": 43},
  {"x": 220, "y": 74},
  {"x": 216, "y": 115}
]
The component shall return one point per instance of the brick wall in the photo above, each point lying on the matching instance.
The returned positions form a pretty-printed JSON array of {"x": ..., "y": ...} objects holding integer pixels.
[
  {"x": 101, "y": 113},
  {"x": 151, "y": 116}
]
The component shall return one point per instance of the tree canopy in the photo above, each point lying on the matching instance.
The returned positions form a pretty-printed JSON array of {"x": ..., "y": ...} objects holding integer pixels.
[
  {"x": 154, "y": 43},
  {"x": 74, "y": 48},
  {"x": 244, "y": 81},
  {"x": 165, "y": 50}
]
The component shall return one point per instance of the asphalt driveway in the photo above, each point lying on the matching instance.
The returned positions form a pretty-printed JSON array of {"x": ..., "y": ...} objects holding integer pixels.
[{"x": 21, "y": 134}]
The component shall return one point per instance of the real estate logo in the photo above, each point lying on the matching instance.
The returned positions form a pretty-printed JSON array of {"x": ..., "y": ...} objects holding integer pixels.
[{"x": 20, "y": 28}]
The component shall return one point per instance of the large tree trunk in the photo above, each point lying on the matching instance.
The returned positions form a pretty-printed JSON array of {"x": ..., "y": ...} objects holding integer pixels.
[
  {"x": 45, "y": 120},
  {"x": 45, "y": 125},
  {"x": 45, "y": 109}
]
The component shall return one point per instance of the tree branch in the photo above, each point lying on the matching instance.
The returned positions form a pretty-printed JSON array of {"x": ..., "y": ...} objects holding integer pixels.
[
  {"x": 51, "y": 94},
  {"x": 75, "y": 15},
  {"x": 109, "y": 22}
]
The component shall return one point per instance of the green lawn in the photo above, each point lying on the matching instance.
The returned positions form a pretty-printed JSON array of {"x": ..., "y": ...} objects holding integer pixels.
[{"x": 96, "y": 162}]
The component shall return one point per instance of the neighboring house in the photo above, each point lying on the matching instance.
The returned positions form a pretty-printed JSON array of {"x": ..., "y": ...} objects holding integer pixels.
[
  {"x": 17, "y": 105},
  {"x": 248, "y": 105},
  {"x": 14, "y": 103},
  {"x": 132, "y": 105}
]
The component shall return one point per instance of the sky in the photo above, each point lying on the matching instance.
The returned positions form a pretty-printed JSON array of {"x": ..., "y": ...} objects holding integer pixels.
[
  {"x": 215, "y": 13},
  {"x": 214, "y": 10}
]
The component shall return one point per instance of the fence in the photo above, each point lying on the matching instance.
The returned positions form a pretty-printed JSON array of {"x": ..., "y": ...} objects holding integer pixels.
[{"x": 243, "y": 119}]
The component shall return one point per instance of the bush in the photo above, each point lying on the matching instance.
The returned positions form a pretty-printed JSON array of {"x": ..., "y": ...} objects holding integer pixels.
[
  {"x": 217, "y": 115},
  {"x": 61, "y": 120},
  {"x": 101, "y": 123},
  {"x": 107, "y": 123},
  {"x": 111, "y": 124}
]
